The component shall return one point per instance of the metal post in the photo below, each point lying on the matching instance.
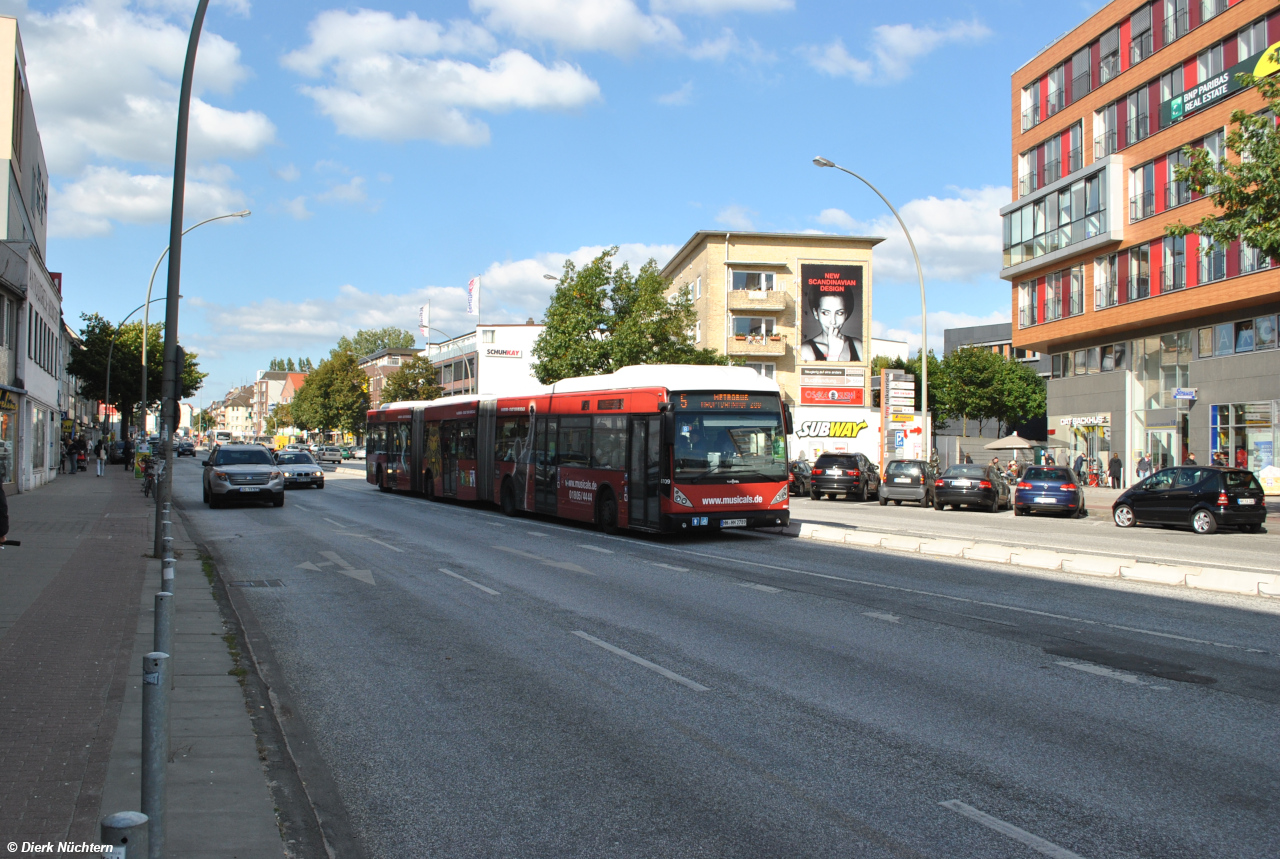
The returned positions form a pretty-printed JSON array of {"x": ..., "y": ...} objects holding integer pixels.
[
  {"x": 127, "y": 832},
  {"x": 155, "y": 747},
  {"x": 166, "y": 575},
  {"x": 163, "y": 637},
  {"x": 168, "y": 406}
]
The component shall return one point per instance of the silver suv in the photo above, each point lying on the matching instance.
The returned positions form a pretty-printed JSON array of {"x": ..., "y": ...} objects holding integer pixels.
[{"x": 244, "y": 472}]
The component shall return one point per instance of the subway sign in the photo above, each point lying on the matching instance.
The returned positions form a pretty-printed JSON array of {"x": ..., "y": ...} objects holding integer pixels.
[{"x": 1209, "y": 92}]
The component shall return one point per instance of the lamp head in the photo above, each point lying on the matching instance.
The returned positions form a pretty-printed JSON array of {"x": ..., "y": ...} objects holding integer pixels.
[
  {"x": 549, "y": 277},
  {"x": 823, "y": 162},
  {"x": 243, "y": 213}
]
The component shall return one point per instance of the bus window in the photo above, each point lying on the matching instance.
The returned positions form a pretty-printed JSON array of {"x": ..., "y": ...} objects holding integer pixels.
[
  {"x": 575, "y": 441},
  {"x": 510, "y": 433},
  {"x": 609, "y": 442},
  {"x": 466, "y": 440},
  {"x": 376, "y": 440}
]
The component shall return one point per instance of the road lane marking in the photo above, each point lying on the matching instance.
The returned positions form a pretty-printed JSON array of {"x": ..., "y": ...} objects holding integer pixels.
[
  {"x": 667, "y": 673},
  {"x": 331, "y": 522},
  {"x": 878, "y": 615},
  {"x": 1035, "y": 842},
  {"x": 559, "y": 565},
  {"x": 670, "y": 567},
  {"x": 596, "y": 549},
  {"x": 537, "y": 534},
  {"x": 388, "y": 545},
  {"x": 528, "y": 555},
  {"x": 756, "y": 587},
  {"x": 1103, "y": 671},
  {"x": 343, "y": 567},
  {"x": 475, "y": 585}
]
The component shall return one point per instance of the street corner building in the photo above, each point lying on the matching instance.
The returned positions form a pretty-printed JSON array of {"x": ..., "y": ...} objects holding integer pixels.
[
  {"x": 1159, "y": 346},
  {"x": 796, "y": 308}
]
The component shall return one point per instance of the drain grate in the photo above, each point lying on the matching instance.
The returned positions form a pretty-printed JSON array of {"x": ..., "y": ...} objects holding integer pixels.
[{"x": 256, "y": 583}]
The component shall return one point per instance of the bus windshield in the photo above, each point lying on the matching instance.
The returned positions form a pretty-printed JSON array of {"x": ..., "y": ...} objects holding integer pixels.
[{"x": 730, "y": 445}]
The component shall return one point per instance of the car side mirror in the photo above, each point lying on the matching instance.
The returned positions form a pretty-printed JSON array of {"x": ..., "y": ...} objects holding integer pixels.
[{"x": 205, "y": 463}]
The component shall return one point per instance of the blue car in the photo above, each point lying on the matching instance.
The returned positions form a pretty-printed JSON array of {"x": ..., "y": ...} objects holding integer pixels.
[{"x": 1049, "y": 489}]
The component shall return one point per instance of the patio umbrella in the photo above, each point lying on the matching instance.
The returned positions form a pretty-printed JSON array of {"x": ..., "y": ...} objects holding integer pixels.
[{"x": 1013, "y": 442}]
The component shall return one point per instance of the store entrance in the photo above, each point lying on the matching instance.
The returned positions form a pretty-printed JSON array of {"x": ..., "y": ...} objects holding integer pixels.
[{"x": 1163, "y": 447}]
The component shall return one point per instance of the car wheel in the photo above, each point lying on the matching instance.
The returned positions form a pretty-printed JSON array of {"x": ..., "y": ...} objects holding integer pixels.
[
  {"x": 955, "y": 506},
  {"x": 214, "y": 502},
  {"x": 995, "y": 505},
  {"x": 607, "y": 514},
  {"x": 815, "y": 496},
  {"x": 1018, "y": 511},
  {"x": 1082, "y": 513},
  {"x": 320, "y": 485},
  {"x": 1202, "y": 522},
  {"x": 883, "y": 501},
  {"x": 938, "y": 505},
  {"x": 897, "y": 502},
  {"x": 1123, "y": 516},
  {"x": 862, "y": 492},
  {"x": 205, "y": 489},
  {"x": 1255, "y": 528},
  {"x": 278, "y": 501},
  {"x": 508, "y": 499}
]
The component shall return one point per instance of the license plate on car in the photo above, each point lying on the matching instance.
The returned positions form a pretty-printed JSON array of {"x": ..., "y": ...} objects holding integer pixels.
[
  {"x": 733, "y": 523},
  {"x": 902, "y": 480},
  {"x": 1246, "y": 501},
  {"x": 834, "y": 472},
  {"x": 1045, "y": 500},
  {"x": 964, "y": 483},
  {"x": 249, "y": 489}
]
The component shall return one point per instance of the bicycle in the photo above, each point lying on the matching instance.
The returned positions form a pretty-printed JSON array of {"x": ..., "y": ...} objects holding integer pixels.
[{"x": 151, "y": 471}]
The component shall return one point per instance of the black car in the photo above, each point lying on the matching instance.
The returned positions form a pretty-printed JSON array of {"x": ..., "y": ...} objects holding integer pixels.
[
  {"x": 1202, "y": 496},
  {"x": 973, "y": 486},
  {"x": 800, "y": 477},
  {"x": 116, "y": 454},
  {"x": 1047, "y": 488},
  {"x": 185, "y": 448},
  {"x": 849, "y": 474}
]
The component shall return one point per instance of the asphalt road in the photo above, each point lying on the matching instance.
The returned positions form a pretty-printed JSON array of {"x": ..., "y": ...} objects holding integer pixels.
[{"x": 484, "y": 686}]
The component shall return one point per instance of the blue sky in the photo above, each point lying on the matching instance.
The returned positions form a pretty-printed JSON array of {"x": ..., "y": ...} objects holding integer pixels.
[{"x": 391, "y": 152}]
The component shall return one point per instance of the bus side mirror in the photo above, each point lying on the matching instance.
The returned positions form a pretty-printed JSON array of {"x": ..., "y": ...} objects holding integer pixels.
[
  {"x": 669, "y": 427},
  {"x": 788, "y": 422}
]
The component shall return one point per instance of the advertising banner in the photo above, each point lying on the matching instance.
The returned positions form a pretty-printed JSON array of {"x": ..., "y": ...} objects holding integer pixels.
[
  {"x": 1215, "y": 88},
  {"x": 842, "y": 429},
  {"x": 831, "y": 303},
  {"x": 473, "y": 297},
  {"x": 831, "y": 396}
]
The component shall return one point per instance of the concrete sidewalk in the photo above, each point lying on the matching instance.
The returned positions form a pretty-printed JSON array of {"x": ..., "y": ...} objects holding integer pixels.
[{"x": 75, "y": 620}]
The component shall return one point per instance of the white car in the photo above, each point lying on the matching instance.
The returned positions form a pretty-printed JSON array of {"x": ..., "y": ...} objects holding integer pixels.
[
  {"x": 328, "y": 453},
  {"x": 357, "y": 452}
]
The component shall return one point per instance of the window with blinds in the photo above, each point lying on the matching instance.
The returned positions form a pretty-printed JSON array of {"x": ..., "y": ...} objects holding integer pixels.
[
  {"x": 1109, "y": 51},
  {"x": 1141, "y": 44}
]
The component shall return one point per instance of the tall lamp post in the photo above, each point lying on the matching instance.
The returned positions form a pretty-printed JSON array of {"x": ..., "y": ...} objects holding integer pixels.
[
  {"x": 146, "y": 316},
  {"x": 110, "y": 349},
  {"x": 924, "y": 315}
]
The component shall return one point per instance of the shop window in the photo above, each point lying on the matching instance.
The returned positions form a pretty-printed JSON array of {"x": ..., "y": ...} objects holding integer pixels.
[
  {"x": 1244, "y": 336},
  {"x": 1113, "y": 357},
  {"x": 1056, "y": 367},
  {"x": 1206, "y": 342},
  {"x": 1224, "y": 339},
  {"x": 1243, "y": 435},
  {"x": 758, "y": 280},
  {"x": 1264, "y": 333},
  {"x": 1079, "y": 364}
]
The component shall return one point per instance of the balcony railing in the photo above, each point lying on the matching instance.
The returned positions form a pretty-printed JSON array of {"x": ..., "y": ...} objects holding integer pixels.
[
  {"x": 1141, "y": 47},
  {"x": 1142, "y": 206},
  {"x": 757, "y": 299},
  {"x": 1028, "y": 182},
  {"x": 1031, "y": 116},
  {"x": 1174, "y": 277},
  {"x": 1075, "y": 159},
  {"x": 1251, "y": 260},
  {"x": 1177, "y": 26},
  {"x": 1109, "y": 67},
  {"x": 1139, "y": 286},
  {"x": 1081, "y": 84},
  {"x": 1137, "y": 129},
  {"x": 1213, "y": 266},
  {"x": 1176, "y": 195},
  {"x": 758, "y": 344},
  {"x": 1026, "y": 316},
  {"x": 1057, "y": 101},
  {"x": 1104, "y": 144},
  {"x": 1212, "y": 8}
]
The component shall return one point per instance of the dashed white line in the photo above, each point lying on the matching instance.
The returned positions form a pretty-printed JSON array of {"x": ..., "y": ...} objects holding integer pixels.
[
  {"x": 755, "y": 587},
  {"x": 331, "y": 522},
  {"x": 888, "y": 618},
  {"x": 475, "y": 585},
  {"x": 596, "y": 549},
  {"x": 665, "y": 672},
  {"x": 537, "y": 534},
  {"x": 670, "y": 567},
  {"x": 1035, "y": 842},
  {"x": 1111, "y": 673}
]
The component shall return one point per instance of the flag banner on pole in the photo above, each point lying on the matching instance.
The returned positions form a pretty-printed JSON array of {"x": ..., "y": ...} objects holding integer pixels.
[
  {"x": 473, "y": 297},
  {"x": 422, "y": 320}
]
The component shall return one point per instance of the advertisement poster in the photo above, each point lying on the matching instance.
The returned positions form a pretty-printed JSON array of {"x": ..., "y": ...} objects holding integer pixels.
[
  {"x": 840, "y": 430},
  {"x": 831, "y": 396},
  {"x": 831, "y": 302}
]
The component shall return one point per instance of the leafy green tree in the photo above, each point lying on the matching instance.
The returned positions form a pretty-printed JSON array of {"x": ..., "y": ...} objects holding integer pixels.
[
  {"x": 289, "y": 367},
  {"x": 970, "y": 379},
  {"x": 305, "y": 365},
  {"x": 938, "y": 412},
  {"x": 88, "y": 363},
  {"x": 1246, "y": 188},
  {"x": 601, "y": 319},
  {"x": 367, "y": 341},
  {"x": 1020, "y": 394},
  {"x": 335, "y": 397},
  {"x": 415, "y": 380},
  {"x": 279, "y": 418}
]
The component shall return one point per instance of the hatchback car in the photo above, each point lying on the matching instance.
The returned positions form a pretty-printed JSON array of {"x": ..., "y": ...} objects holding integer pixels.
[
  {"x": 245, "y": 472},
  {"x": 800, "y": 477},
  {"x": 1204, "y": 497},
  {"x": 907, "y": 480},
  {"x": 328, "y": 453},
  {"x": 849, "y": 474},
  {"x": 972, "y": 486},
  {"x": 300, "y": 469},
  {"x": 1049, "y": 489}
]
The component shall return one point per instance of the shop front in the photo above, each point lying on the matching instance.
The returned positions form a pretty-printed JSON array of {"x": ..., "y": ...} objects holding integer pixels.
[
  {"x": 1244, "y": 435},
  {"x": 1084, "y": 435},
  {"x": 819, "y": 429},
  {"x": 8, "y": 434}
]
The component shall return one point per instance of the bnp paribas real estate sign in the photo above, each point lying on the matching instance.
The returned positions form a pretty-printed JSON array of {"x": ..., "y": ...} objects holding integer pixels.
[{"x": 1218, "y": 87}]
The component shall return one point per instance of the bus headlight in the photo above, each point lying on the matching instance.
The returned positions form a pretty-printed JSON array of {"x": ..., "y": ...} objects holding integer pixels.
[
  {"x": 782, "y": 495},
  {"x": 679, "y": 497}
]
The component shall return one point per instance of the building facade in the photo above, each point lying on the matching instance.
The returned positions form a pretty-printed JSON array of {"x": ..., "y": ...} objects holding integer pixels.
[
  {"x": 378, "y": 366},
  {"x": 494, "y": 359},
  {"x": 1156, "y": 345}
]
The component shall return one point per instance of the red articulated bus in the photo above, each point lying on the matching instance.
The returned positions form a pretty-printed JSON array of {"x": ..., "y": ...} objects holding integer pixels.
[{"x": 656, "y": 448}]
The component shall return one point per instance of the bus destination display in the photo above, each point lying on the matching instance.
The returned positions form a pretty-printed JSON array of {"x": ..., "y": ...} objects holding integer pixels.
[{"x": 711, "y": 402}]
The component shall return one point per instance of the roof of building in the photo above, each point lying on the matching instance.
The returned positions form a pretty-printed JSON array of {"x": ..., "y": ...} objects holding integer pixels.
[
  {"x": 273, "y": 376},
  {"x": 795, "y": 238},
  {"x": 391, "y": 350}
]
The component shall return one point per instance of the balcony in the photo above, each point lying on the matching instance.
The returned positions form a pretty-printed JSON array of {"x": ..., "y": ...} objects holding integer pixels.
[
  {"x": 1251, "y": 260},
  {"x": 1139, "y": 287},
  {"x": 1031, "y": 117},
  {"x": 1136, "y": 129},
  {"x": 1057, "y": 100},
  {"x": 1104, "y": 144},
  {"x": 1109, "y": 67},
  {"x": 1177, "y": 194},
  {"x": 1142, "y": 206},
  {"x": 768, "y": 300},
  {"x": 1028, "y": 182},
  {"x": 1141, "y": 47},
  {"x": 1174, "y": 277},
  {"x": 1213, "y": 265},
  {"x": 1081, "y": 84},
  {"x": 758, "y": 345},
  {"x": 1212, "y": 8},
  {"x": 1177, "y": 26}
]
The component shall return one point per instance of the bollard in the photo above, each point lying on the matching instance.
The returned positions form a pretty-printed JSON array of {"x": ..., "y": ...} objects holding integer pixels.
[
  {"x": 168, "y": 546},
  {"x": 155, "y": 747},
  {"x": 126, "y": 833},
  {"x": 166, "y": 576},
  {"x": 163, "y": 640},
  {"x": 166, "y": 528}
]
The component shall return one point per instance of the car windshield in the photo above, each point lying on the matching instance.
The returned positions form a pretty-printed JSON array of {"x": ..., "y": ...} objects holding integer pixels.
[
  {"x": 966, "y": 471},
  {"x": 295, "y": 459},
  {"x": 1052, "y": 475},
  {"x": 900, "y": 468},
  {"x": 244, "y": 457}
]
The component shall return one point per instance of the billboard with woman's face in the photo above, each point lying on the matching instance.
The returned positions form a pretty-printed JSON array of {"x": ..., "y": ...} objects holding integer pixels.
[{"x": 831, "y": 313}]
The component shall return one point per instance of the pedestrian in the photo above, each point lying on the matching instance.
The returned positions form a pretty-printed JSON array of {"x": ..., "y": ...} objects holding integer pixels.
[
  {"x": 1144, "y": 465},
  {"x": 1189, "y": 459},
  {"x": 100, "y": 454},
  {"x": 1079, "y": 469},
  {"x": 128, "y": 455},
  {"x": 1116, "y": 469},
  {"x": 67, "y": 462},
  {"x": 1048, "y": 460},
  {"x": 4, "y": 516},
  {"x": 968, "y": 460}
]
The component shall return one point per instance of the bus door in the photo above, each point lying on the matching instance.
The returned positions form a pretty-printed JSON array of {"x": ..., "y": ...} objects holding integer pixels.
[
  {"x": 644, "y": 464},
  {"x": 449, "y": 456},
  {"x": 415, "y": 453},
  {"x": 546, "y": 471}
]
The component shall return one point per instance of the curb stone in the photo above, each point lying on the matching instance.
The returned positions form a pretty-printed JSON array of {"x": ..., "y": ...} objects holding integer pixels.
[
  {"x": 864, "y": 538},
  {"x": 1164, "y": 574},
  {"x": 1229, "y": 581},
  {"x": 1095, "y": 565},
  {"x": 1040, "y": 559},
  {"x": 945, "y": 548},
  {"x": 988, "y": 552}
]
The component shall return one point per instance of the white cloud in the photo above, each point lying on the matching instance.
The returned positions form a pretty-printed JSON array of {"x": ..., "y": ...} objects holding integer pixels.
[
  {"x": 717, "y": 7},
  {"x": 908, "y": 328},
  {"x": 345, "y": 192},
  {"x": 736, "y": 217},
  {"x": 104, "y": 79},
  {"x": 958, "y": 237},
  {"x": 893, "y": 49},
  {"x": 677, "y": 97},
  {"x": 616, "y": 26},
  {"x": 289, "y": 173},
  {"x": 384, "y": 86},
  {"x": 88, "y": 205},
  {"x": 297, "y": 208}
]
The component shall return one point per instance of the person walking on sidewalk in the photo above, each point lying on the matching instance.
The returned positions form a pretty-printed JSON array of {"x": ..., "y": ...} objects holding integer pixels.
[
  {"x": 1116, "y": 469},
  {"x": 128, "y": 455},
  {"x": 4, "y": 516},
  {"x": 100, "y": 454}
]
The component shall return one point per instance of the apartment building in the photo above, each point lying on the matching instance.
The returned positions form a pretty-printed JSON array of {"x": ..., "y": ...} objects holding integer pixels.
[
  {"x": 379, "y": 366},
  {"x": 1156, "y": 345}
]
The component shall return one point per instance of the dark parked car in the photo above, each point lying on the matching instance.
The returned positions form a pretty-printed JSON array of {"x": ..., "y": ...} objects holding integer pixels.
[
  {"x": 116, "y": 454},
  {"x": 907, "y": 480},
  {"x": 185, "y": 448},
  {"x": 800, "y": 477},
  {"x": 972, "y": 485},
  {"x": 849, "y": 474},
  {"x": 1202, "y": 496},
  {"x": 1051, "y": 489}
]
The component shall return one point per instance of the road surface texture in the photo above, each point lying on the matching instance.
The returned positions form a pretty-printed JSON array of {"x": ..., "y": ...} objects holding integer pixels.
[{"x": 485, "y": 686}]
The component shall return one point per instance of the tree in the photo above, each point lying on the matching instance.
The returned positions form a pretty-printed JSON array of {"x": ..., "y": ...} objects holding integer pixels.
[
  {"x": 938, "y": 412},
  {"x": 280, "y": 417},
  {"x": 305, "y": 365},
  {"x": 335, "y": 397},
  {"x": 289, "y": 366},
  {"x": 367, "y": 341},
  {"x": 202, "y": 420},
  {"x": 415, "y": 380},
  {"x": 601, "y": 319},
  {"x": 1246, "y": 189},
  {"x": 1020, "y": 394},
  {"x": 88, "y": 363},
  {"x": 971, "y": 377}
]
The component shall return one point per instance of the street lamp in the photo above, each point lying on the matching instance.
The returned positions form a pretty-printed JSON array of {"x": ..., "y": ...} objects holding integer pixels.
[
  {"x": 244, "y": 213},
  {"x": 110, "y": 349},
  {"x": 924, "y": 316}
]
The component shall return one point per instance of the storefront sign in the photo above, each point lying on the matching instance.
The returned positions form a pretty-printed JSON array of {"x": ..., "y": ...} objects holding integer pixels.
[
  {"x": 502, "y": 353},
  {"x": 832, "y": 377},
  {"x": 1087, "y": 421},
  {"x": 831, "y": 396},
  {"x": 830, "y": 429},
  {"x": 1216, "y": 88},
  {"x": 1184, "y": 393},
  {"x": 8, "y": 402}
]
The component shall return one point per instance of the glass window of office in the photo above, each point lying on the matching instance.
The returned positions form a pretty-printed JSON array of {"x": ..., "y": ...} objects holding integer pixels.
[
  {"x": 758, "y": 280},
  {"x": 753, "y": 326},
  {"x": 1106, "y": 282},
  {"x": 1056, "y": 221},
  {"x": 765, "y": 369},
  {"x": 1244, "y": 435},
  {"x": 1232, "y": 338}
]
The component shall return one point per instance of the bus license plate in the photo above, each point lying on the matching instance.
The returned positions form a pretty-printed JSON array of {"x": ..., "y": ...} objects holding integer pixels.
[{"x": 733, "y": 523}]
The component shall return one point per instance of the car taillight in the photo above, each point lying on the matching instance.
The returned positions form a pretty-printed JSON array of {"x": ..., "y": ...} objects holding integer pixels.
[
  {"x": 984, "y": 484},
  {"x": 1066, "y": 487},
  {"x": 857, "y": 473},
  {"x": 1222, "y": 499},
  {"x": 1024, "y": 485},
  {"x": 816, "y": 471},
  {"x": 937, "y": 482}
]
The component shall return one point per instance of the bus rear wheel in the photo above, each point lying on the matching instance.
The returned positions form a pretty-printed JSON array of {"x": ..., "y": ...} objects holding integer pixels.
[
  {"x": 607, "y": 513},
  {"x": 382, "y": 483},
  {"x": 508, "y": 499}
]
